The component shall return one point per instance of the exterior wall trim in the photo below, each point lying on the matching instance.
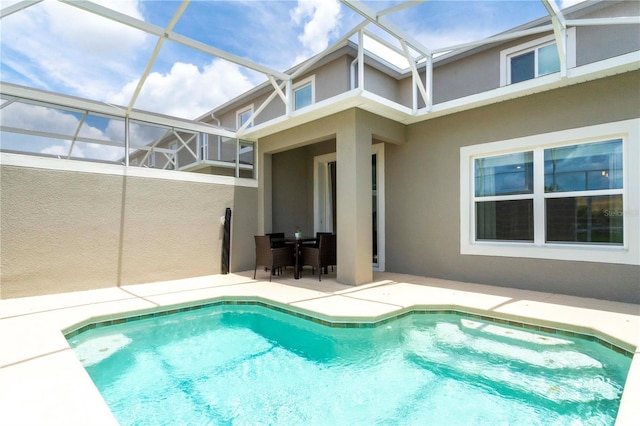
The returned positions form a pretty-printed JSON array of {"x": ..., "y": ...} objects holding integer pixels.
[{"x": 20, "y": 160}]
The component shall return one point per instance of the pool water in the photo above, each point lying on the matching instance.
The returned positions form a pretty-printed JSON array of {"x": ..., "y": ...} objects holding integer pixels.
[{"x": 234, "y": 364}]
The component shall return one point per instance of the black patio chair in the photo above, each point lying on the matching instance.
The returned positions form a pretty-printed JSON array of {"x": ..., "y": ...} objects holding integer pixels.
[
  {"x": 322, "y": 256},
  {"x": 272, "y": 258}
]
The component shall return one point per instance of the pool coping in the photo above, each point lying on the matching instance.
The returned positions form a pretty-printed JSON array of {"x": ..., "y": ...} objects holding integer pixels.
[
  {"x": 41, "y": 381},
  {"x": 364, "y": 322}
]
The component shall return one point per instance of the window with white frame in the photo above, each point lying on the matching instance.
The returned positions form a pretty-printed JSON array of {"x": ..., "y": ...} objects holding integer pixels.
[
  {"x": 534, "y": 59},
  {"x": 583, "y": 192},
  {"x": 566, "y": 195},
  {"x": 504, "y": 197},
  {"x": 304, "y": 93},
  {"x": 243, "y": 116}
]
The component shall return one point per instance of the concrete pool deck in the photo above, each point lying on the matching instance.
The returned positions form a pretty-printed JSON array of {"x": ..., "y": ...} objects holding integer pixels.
[{"x": 42, "y": 382}]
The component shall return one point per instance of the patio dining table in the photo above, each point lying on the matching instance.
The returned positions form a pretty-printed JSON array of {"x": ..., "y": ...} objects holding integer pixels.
[{"x": 297, "y": 243}]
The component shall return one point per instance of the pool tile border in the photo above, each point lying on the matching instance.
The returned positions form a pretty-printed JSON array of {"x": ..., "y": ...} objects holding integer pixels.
[{"x": 93, "y": 324}]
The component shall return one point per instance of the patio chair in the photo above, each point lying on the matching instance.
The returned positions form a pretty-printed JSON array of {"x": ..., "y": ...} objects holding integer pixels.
[
  {"x": 272, "y": 258},
  {"x": 317, "y": 244},
  {"x": 277, "y": 240},
  {"x": 322, "y": 256}
]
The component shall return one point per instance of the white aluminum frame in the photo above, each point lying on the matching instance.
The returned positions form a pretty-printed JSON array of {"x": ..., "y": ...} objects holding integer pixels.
[{"x": 412, "y": 49}]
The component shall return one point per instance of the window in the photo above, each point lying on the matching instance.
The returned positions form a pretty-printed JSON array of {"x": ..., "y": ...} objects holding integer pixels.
[
  {"x": 504, "y": 197},
  {"x": 534, "y": 59},
  {"x": 582, "y": 186},
  {"x": 538, "y": 61},
  {"x": 243, "y": 116},
  {"x": 304, "y": 93},
  {"x": 583, "y": 193},
  {"x": 565, "y": 195}
]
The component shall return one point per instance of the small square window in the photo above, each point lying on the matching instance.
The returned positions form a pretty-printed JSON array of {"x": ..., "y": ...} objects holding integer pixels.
[
  {"x": 538, "y": 61},
  {"x": 303, "y": 96},
  {"x": 304, "y": 93},
  {"x": 548, "y": 59},
  {"x": 523, "y": 67},
  {"x": 244, "y": 116},
  {"x": 535, "y": 58}
]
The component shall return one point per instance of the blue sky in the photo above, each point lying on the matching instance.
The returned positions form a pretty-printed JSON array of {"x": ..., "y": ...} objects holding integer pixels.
[{"x": 57, "y": 47}]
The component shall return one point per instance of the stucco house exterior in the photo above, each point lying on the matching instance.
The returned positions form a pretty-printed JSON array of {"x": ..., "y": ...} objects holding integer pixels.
[
  {"x": 506, "y": 177},
  {"x": 512, "y": 162}
]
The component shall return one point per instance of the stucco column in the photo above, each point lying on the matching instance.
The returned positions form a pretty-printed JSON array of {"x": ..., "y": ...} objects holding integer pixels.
[{"x": 353, "y": 152}]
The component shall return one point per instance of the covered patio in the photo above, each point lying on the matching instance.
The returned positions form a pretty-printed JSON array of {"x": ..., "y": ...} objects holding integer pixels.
[{"x": 291, "y": 189}]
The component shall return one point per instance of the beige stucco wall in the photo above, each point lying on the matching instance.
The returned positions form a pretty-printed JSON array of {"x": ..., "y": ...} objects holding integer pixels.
[
  {"x": 608, "y": 41},
  {"x": 423, "y": 191},
  {"x": 67, "y": 230}
]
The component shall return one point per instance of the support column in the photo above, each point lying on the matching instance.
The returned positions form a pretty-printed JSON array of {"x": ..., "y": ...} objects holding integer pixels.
[{"x": 354, "y": 230}]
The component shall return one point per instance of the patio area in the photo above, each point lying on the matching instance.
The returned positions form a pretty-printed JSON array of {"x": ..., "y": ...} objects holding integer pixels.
[{"x": 42, "y": 382}]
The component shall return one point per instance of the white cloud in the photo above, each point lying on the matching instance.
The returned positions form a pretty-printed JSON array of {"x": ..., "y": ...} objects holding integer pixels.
[
  {"x": 321, "y": 20},
  {"x": 58, "y": 47},
  {"x": 93, "y": 35},
  {"x": 186, "y": 91},
  {"x": 85, "y": 150},
  {"x": 66, "y": 49},
  {"x": 59, "y": 122}
]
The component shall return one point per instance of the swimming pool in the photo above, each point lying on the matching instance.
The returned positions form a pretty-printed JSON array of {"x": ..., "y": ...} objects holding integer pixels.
[{"x": 239, "y": 364}]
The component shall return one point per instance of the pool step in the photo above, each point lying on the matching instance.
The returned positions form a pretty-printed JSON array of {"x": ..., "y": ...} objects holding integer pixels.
[{"x": 560, "y": 374}]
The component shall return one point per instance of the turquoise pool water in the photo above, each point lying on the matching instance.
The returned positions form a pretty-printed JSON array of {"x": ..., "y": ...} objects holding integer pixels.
[{"x": 231, "y": 364}]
